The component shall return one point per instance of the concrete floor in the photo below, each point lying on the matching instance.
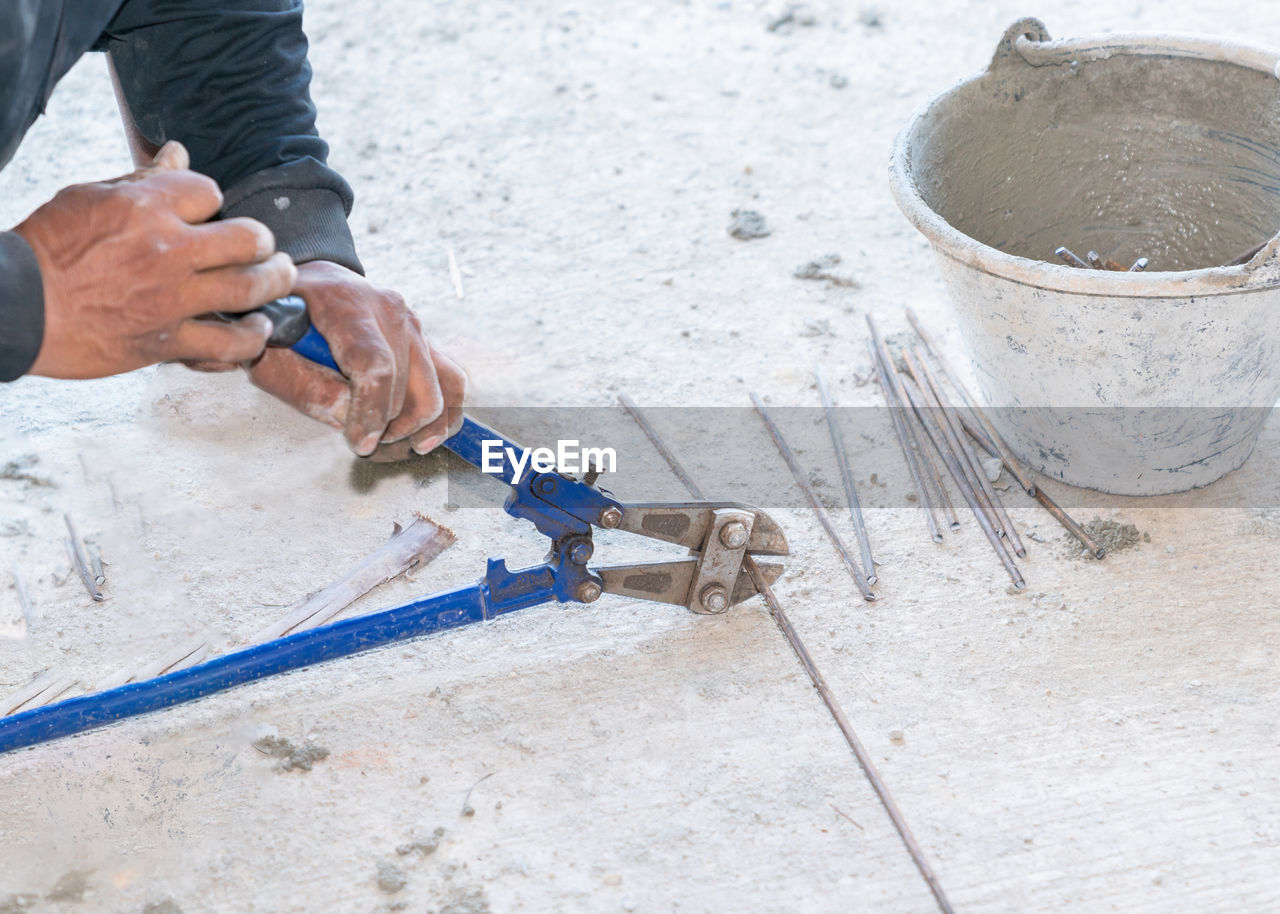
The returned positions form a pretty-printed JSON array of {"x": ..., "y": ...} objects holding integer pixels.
[{"x": 1106, "y": 740}]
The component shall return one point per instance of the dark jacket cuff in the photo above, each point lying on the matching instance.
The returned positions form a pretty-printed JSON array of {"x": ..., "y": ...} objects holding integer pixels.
[
  {"x": 305, "y": 204},
  {"x": 21, "y": 306}
]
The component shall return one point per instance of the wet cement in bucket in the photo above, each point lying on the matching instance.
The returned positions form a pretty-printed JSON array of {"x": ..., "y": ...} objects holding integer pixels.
[
  {"x": 1132, "y": 146},
  {"x": 1172, "y": 159}
]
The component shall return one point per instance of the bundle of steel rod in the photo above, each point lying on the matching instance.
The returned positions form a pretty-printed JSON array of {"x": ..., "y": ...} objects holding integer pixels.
[{"x": 926, "y": 417}]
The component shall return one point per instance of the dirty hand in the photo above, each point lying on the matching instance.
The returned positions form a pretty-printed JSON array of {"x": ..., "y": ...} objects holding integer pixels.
[
  {"x": 127, "y": 266},
  {"x": 404, "y": 397}
]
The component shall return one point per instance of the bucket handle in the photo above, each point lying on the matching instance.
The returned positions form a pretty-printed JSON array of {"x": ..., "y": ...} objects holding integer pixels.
[
  {"x": 1027, "y": 41},
  {"x": 1029, "y": 30}
]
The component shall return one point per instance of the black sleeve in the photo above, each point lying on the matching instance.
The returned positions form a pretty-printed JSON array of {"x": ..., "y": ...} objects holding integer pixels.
[
  {"x": 230, "y": 80},
  {"x": 21, "y": 306}
]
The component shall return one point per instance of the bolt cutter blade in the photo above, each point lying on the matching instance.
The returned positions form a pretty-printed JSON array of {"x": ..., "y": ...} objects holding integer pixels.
[
  {"x": 688, "y": 524},
  {"x": 669, "y": 582},
  {"x": 745, "y": 588}
]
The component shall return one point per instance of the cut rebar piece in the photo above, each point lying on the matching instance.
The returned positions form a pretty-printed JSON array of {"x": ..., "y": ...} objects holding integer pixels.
[
  {"x": 661, "y": 447},
  {"x": 921, "y": 441},
  {"x": 77, "y": 562},
  {"x": 898, "y": 410},
  {"x": 952, "y": 440},
  {"x": 1071, "y": 259},
  {"x": 40, "y": 691},
  {"x": 1075, "y": 529},
  {"x": 656, "y": 441},
  {"x": 984, "y": 485},
  {"x": 24, "y": 598},
  {"x": 905, "y": 426},
  {"x": 807, "y": 487},
  {"x": 979, "y": 436},
  {"x": 1006, "y": 456},
  {"x": 846, "y": 474},
  {"x": 175, "y": 658},
  {"x": 410, "y": 547},
  {"x": 815, "y": 676},
  {"x": 95, "y": 565},
  {"x": 918, "y": 400},
  {"x": 859, "y": 751},
  {"x": 12, "y": 702},
  {"x": 934, "y": 474},
  {"x": 1097, "y": 263},
  {"x": 455, "y": 275},
  {"x": 922, "y": 444},
  {"x": 1046, "y": 502},
  {"x": 75, "y": 549}
]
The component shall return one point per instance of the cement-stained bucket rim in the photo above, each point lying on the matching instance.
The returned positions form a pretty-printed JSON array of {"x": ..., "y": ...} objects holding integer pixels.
[{"x": 1027, "y": 43}]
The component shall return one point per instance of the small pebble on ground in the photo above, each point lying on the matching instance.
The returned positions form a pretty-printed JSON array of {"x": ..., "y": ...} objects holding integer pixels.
[
  {"x": 823, "y": 269},
  {"x": 748, "y": 224},
  {"x": 793, "y": 17},
  {"x": 423, "y": 847},
  {"x": 391, "y": 877}
]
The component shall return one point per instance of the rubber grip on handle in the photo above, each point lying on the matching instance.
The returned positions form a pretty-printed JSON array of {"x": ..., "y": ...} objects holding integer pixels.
[{"x": 292, "y": 329}]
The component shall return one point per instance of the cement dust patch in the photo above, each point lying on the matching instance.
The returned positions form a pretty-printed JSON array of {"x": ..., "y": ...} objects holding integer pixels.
[
  {"x": 1262, "y": 522},
  {"x": 462, "y": 901},
  {"x": 70, "y": 887},
  {"x": 21, "y": 470},
  {"x": 423, "y": 847},
  {"x": 168, "y": 906},
  {"x": 292, "y": 758},
  {"x": 1110, "y": 535}
]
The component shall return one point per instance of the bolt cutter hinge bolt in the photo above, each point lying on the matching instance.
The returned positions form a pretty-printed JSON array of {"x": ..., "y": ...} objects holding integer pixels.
[
  {"x": 714, "y": 598},
  {"x": 610, "y": 517},
  {"x": 734, "y": 535}
]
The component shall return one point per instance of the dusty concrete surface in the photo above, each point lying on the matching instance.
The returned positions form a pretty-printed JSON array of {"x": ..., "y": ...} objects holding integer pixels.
[{"x": 1104, "y": 741}]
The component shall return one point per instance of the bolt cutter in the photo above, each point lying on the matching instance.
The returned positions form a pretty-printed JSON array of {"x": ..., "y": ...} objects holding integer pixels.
[{"x": 708, "y": 579}]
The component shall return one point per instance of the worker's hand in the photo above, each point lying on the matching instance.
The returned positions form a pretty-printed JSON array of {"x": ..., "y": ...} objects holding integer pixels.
[
  {"x": 404, "y": 397},
  {"x": 128, "y": 264}
]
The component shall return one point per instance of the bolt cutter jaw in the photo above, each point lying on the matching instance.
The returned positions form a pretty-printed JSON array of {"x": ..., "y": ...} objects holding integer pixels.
[{"x": 719, "y": 537}]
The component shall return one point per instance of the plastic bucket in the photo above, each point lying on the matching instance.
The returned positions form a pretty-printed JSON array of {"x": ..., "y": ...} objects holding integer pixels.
[{"x": 1163, "y": 147}]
